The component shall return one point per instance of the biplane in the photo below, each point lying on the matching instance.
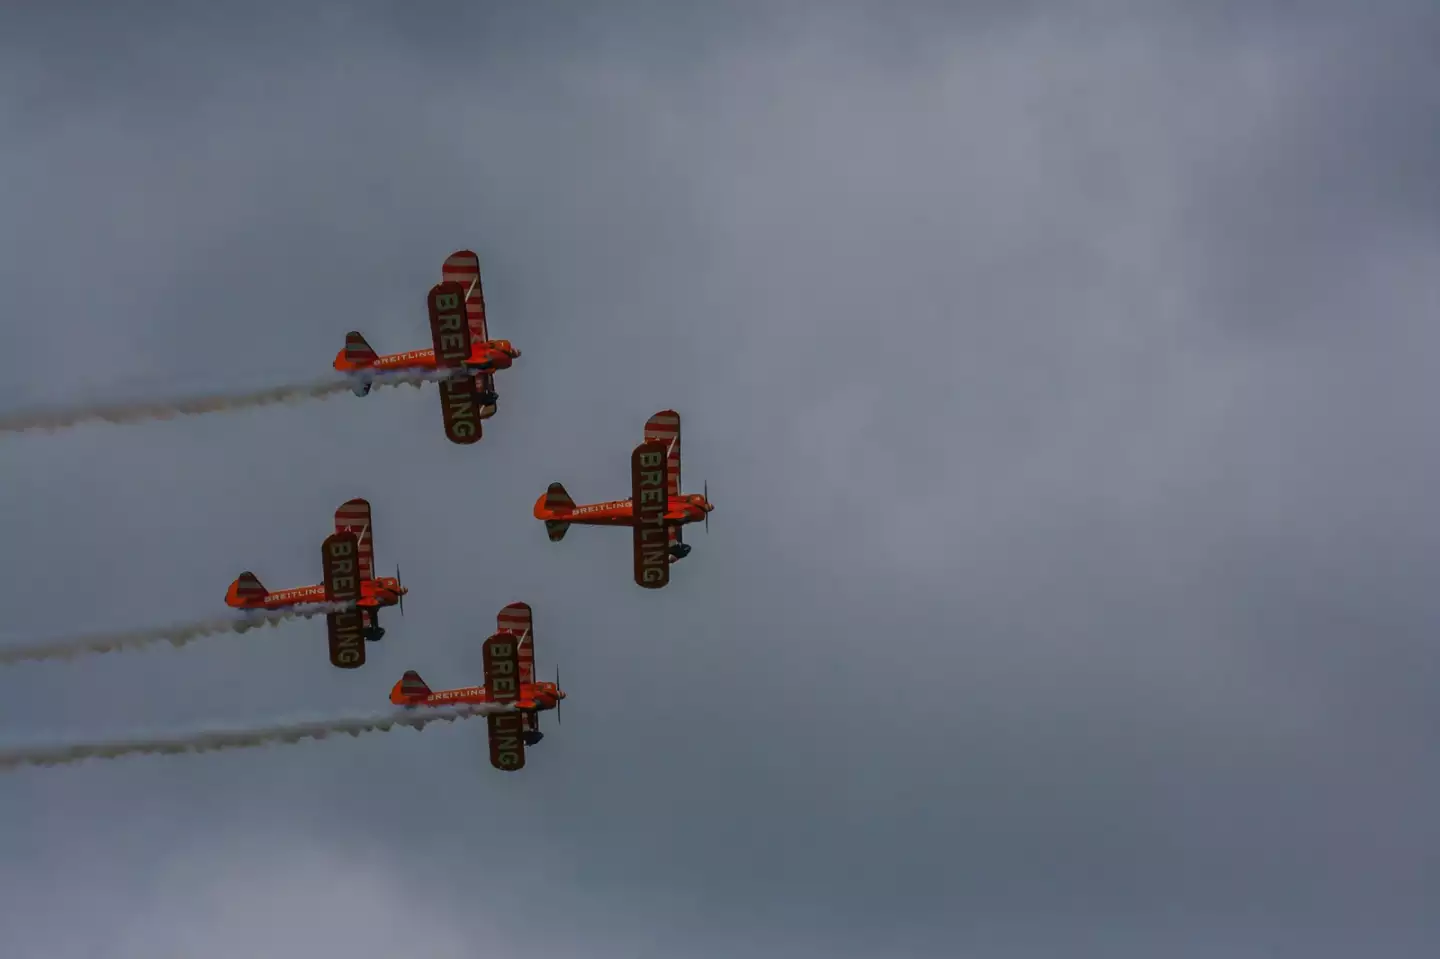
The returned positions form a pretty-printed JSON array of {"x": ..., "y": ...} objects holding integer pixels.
[
  {"x": 348, "y": 561},
  {"x": 509, "y": 663},
  {"x": 656, "y": 510},
  {"x": 460, "y": 341}
]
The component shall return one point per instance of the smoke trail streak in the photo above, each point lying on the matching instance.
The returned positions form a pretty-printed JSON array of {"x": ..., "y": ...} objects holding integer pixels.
[
  {"x": 57, "y": 419},
  {"x": 239, "y": 738},
  {"x": 176, "y": 635}
]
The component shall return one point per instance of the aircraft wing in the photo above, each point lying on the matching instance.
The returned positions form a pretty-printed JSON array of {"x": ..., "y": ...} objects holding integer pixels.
[
  {"x": 502, "y": 679},
  {"x": 518, "y": 620},
  {"x": 648, "y": 504},
  {"x": 341, "y": 557},
  {"x": 664, "y": 427},
  {"x": 450, "y": 335},
  {"x": 463, "y": 267},
  {"x": 353, "y": 516}
]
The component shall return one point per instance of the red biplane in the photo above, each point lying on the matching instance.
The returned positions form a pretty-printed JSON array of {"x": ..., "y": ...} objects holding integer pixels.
[
  {"x": 509, "y": 660},
  {"x": 656, "y": 509},
  {"x": 460, "y": 340},
  {"x": 348, "y": 556}
]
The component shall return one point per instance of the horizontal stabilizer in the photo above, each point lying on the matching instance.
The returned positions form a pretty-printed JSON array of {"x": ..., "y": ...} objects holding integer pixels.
[{"x": 556, "y": 529}]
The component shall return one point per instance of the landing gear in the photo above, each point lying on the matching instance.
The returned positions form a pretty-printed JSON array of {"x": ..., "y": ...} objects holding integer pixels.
[
  {"x": 679, "y": 551},
  {"x": 489, "y": 399},
  {"x": 373, "y": 632}
]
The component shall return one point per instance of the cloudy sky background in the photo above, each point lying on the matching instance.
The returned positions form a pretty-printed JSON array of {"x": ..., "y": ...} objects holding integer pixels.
[{"x": 1062, "y": 374}]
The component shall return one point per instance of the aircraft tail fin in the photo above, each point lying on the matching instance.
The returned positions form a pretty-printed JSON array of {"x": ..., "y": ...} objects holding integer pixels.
[
  {"x": 247, "y": 590},
  {"x": 557, "y": 500},
  {"x": 411, "y": 688},
  {"x": 357, "y": 354}
]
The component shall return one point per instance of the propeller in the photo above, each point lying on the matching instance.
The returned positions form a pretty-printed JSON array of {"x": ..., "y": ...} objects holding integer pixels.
[
  {"x": 399, "y": 589},
  {"x": 706, "y": 494},
  {"x": 557, "y": 694}
]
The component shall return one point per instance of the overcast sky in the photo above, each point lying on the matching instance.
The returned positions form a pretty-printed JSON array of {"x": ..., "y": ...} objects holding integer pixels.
[{"x": 1062, "y": 374}]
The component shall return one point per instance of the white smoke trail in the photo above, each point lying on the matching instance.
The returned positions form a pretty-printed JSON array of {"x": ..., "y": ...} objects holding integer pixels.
[
  {"x": 164, "y": 409},
  {"x": 177, "y": 635},
  {"x": 239, "y": 738}
]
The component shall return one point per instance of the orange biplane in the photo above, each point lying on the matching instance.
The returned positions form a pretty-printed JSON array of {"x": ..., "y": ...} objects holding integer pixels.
[
  {"x": 460, "y": 340},
  {"x": 509, "y": 660},
  {"x": 349, "y": 563},
  {"x": 656, "y": 509}
]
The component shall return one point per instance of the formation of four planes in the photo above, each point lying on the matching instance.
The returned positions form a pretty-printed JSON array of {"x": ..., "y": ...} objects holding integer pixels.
[{"x": 656, "y": 512}]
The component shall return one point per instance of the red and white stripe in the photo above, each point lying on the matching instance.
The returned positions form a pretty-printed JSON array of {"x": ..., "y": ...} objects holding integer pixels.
[
  {"x": 463, "y": 267},
  {"x": 354, "y": 517},
  {"x": 517, "y": 618},
  {"x": 664, "y": 427}
]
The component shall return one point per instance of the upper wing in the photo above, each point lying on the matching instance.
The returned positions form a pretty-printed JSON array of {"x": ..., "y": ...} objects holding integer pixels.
[
  {"x": 648, "y": 503},
  {"x": 502, "y": 680},
  {"x": 664, "y": 427},
  {"x": 353, "y": 516},
  {"x": 518, "y": 620},
  {"x": 340, "y": 555},
  {"x": 463, "y": 267},
  {"x": 450, "y": 335}
]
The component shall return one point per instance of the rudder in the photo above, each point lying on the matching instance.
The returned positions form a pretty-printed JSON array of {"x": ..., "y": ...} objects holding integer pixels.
[
  {"x": 358, "y": 352},
  {"x": 409, "y": 689},
  {"x": 356, "y": 357},
  {"x": 246, "y": 591},
  {"x": 557, "y": 500}
]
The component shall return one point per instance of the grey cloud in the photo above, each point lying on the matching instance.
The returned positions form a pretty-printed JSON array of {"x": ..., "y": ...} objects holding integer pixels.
[{"x": 1068, "y": 585}]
